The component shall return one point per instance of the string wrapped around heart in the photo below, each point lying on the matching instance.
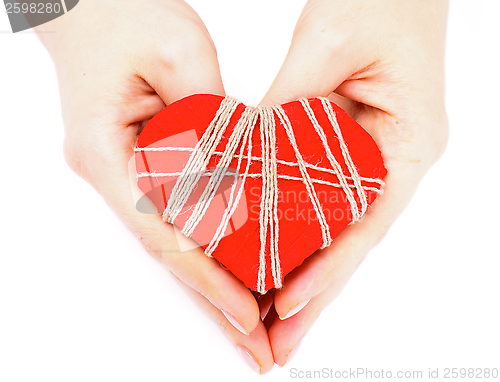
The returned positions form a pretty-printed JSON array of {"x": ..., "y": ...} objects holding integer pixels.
[{"x": 259, "y": 188}]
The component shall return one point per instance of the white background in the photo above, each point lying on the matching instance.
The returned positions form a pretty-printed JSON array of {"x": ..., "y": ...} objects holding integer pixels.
[{"x": 80, "y": 300}]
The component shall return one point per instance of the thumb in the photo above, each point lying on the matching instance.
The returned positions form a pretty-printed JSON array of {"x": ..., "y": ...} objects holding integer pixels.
[
  {"x": 314, "y": 66},
  {"x": 184, "y": 69}
]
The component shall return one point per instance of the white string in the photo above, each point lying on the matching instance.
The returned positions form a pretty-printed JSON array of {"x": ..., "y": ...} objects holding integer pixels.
[
  {"x": 335, "y": 165},
  {"x": 259, "y": 159},
  {"x": 199, "y": 159},
  {"x": 231, "y": 207},
  {"x": 268, "y": 217},
  {"x": 218, "y": 175},
  {"x": 325, "y": 229},
  {"x": 241, "y": 137},
  {"x": 249, "y": 175},
  {"x": 327, "y": 106}
]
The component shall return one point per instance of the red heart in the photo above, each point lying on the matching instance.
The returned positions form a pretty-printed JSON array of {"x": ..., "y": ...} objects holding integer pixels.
[{"x": 182, "y": 124}]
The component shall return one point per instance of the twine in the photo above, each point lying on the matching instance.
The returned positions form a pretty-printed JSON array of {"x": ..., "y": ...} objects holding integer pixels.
[{"x": 241, "y": 137}]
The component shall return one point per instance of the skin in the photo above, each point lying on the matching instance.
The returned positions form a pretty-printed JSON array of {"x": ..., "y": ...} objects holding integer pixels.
[{"x": 383, "y": 62}]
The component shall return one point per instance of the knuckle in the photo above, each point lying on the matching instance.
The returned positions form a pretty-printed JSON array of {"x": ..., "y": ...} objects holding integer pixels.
[
  {"x": 74, "y": 156},
  {"x": 442, "y": 137},
  {"x": 223, "y": 322},
  {"x": 193, "y": 44},
  {"x": 89, "y": 154},
  {"x": 150, "y": 248},
  {"x": 194, "y": 279},
  {"x": 85, "y": 156},
  {"x": 318, "y": 33},
  {"x": 433, "y": 140},
  {"x": 195, "y": 283},
  {"x": 329, "y": 270},
  {"x": 206, "y": 285}
]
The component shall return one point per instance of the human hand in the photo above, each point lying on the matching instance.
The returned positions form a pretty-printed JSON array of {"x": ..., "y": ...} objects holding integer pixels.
[
  {"x": 383, "y": 62},
  {"x": 118, "y": 64}
]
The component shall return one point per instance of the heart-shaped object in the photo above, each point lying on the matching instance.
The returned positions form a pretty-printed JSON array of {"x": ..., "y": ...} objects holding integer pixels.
[{"x": 326, "y": 169}]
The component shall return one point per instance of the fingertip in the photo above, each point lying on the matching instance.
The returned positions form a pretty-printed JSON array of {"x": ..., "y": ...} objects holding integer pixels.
[
  {"x": 286, "y": 336},
  {"x": 174, "y": 82},
  {"x": 255, "y": 349},
  {"x": 285, "y": 358},
  {"x": 240, "y": 308},
  {"x": 247, "y": 357},
  {"x": 277, "y": 95},
  {"x": 252, "y": 318},
  {"x": 296, "y": 309},
  {"x": 233, "y": 321},
  {"x": 308, "y": 71},
  {"x": 295, "y": 294},
  {"x": 294, "y": 351}
]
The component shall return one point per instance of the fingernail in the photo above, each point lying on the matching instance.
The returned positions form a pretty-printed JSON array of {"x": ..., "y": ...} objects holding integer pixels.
[
  {"x": 297, "y": 308},
  {"x": 249, "y": 358},
  {"x": 233, "y": 322},
  {"x": 294, "y": 350}
]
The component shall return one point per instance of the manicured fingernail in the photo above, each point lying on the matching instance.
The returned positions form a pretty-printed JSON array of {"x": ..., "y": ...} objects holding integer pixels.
[
  {"x": 233, "y": 322},
  {"x": 294, "y": 350},
  {"x": 297, "y": 308},
  {"x": 249, "y": 358}
]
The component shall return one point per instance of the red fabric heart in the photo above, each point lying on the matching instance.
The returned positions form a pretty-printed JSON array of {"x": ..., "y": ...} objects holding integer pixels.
[{"x": 181, "y": 125}]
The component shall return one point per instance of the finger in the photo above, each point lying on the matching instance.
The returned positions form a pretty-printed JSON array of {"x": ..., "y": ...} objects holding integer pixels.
[
  {"x": 185, "y": 66},
  {"x": 254, "y": 348},
  {"x": 108, "y": 172},
  {"x": 285, "y": 335},
  {"x": 201, "y": 273},
  {"x": 352, "y": 245},
  {"x": 350, "y": 107},
  {"x": 314, "y": 66}
]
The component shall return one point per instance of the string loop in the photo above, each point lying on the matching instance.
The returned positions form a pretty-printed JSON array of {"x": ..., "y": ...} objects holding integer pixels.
[{"x": 241, "y": 137}]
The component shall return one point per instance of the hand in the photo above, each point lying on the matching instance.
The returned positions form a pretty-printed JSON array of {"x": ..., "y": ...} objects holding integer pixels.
[
  {"x": 383, "y": 62},
  {"x": 118, "y": 64}
]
